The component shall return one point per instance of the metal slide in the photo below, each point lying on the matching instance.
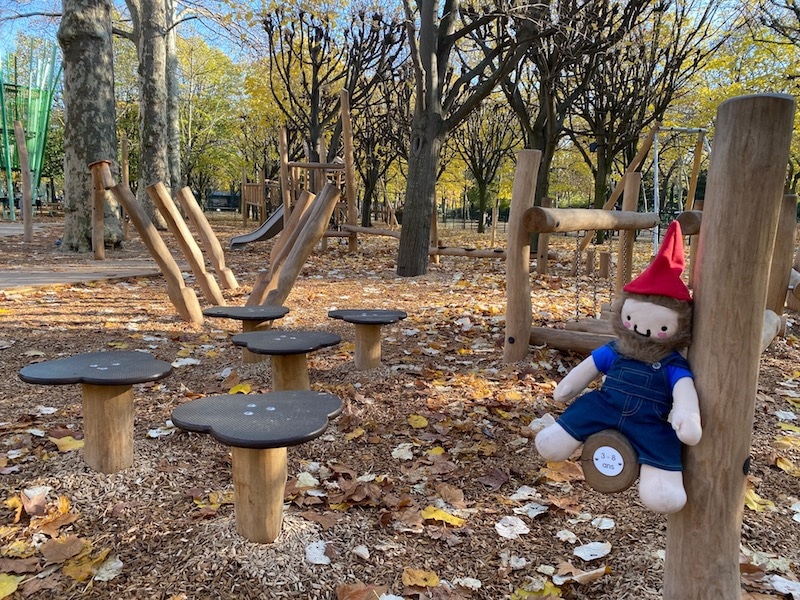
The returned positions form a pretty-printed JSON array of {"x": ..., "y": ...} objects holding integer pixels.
[{"x": 268, "y": 229}]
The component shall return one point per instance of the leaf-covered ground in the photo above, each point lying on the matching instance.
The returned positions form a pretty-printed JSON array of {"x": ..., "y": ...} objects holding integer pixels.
[{"x": 427, "y": 485}]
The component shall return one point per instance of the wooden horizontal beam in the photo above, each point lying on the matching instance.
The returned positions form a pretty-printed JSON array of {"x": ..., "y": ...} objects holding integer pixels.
[
  {"x": 571, "y": 341},
  {"x": 324, "y": 166},
  {"x": 690, "y": 221},
  {"x": 552, "y": 220}
]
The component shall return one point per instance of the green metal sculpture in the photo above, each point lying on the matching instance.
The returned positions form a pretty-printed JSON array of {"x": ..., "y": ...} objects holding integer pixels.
[{"x": 29, "y": 102}]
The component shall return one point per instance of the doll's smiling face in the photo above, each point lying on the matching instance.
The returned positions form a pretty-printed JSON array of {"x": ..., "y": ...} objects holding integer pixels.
[{"x": 649, "y": 320}]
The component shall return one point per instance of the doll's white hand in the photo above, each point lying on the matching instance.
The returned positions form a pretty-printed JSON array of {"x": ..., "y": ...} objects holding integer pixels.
[
  {"x": 576, "y": 381},
  {"x": 685, "y": 416}
]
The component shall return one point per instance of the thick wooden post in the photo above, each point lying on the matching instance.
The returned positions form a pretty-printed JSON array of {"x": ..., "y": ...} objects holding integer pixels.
[
  {"x": 743, "y": 194},
  {"x": 782, "y": 255},
  {"x": 207, "y": 236},
  {"x": 518, "y": 257},
  {"x": 630, "y": 200},
  {"x": 107, "y": 427},
  {"x": 368, "y": 346},
  {"x": 543, "y": 244},
  {"x": 27, "y": 195},
  {"x": 259, "y": 481},
  {"x": 194, "y": 256},
  {"x": 290, "y": 372},
  {"x": 182, "y": 298}
]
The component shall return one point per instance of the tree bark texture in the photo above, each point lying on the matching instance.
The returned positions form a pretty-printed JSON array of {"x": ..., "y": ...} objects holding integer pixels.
[
  {"x": 423, "y": 162},
  {"x": 90, "y": 132},
  {"x": 153, "y": 125}
]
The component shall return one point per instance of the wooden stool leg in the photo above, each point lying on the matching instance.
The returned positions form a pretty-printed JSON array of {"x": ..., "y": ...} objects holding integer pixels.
[
  {"x": 259, "y": 481},
  {"x": 108, "y": 427},
  {"x": 252, "y": 357},
  {"x": 290, "y": 372},
  {"x": 368, "y": 346}
]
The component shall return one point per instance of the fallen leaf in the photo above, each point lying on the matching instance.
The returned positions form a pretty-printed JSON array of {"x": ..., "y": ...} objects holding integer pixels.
[
  {"x": 592, "y": 550},
  {"x": 431, "y": 513},
  {"x": 417, "y": 421},
  {"x": 8, "y": 584},
  {"x": 109, "y": 569},
  {"x": 240, "y": 388},
  {"x": 360, "y": 591},
  {"x": 511, "y": 527},
  {"x": 19, "y": 565},
  {"x": 563, "y": 472},
  {"x": 493, "y": 479},
  {"x": 315, "y": 553},
  {"x": 756, "y": 503},
  {"x": 67, "y": 443},
  {"x": 61, "y": 549},
  {"x": 419, "y": 578}
]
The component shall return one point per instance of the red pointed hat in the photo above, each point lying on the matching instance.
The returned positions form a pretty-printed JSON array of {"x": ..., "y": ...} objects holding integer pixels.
[{"x": 663, "y": 276}]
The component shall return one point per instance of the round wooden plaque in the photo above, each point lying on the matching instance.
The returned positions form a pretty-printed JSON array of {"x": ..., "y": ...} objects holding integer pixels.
[{"x": 609, "y": 462}]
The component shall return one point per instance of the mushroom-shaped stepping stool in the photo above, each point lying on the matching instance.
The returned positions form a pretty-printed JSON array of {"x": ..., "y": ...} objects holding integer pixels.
[
  {"x": 368, "y": 332},
  {"x": 106, "y": 380},
  {"x": 253, "y": 318},
  {"x": 289, "y": 351},
  {"x": 259, "y": 428}
]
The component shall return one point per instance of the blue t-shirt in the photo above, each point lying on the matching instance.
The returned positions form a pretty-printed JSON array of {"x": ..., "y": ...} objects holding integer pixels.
[{"x": 605, "y": 356}]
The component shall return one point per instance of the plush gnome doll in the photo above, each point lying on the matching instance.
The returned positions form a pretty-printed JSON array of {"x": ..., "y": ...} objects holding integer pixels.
[{"x": 648, "y": 393}]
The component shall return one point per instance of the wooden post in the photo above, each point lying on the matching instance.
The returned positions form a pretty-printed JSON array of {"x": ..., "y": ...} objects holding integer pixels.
[
  {"x": 107, "y": 427},
  {"x": 543, "y": 244},
  {"x": 286, "y": 193},
  {"x": 207, "y": 237},
  {"x": 589, "y": 266},
  {"x": 27, "y": 195},
  {"x": 368, "y": 346},
  {"x": 698, "y": 159},
  {"x": 124, "y": 167},
  {"x": 743, "y": 193},
  {"x": 282, "y": 280},
  {"x": 259, "y": 482},
  {"x": 605, "y": 263},
  {"x": 281, "y": 249},
  {"x": 782, "y": 255},
  {"x": 290, "y": 372},
  {"x": 194, "y": 256},
  {"x": 630, "y": 200},
  {"x": 183, "y": 298},
  {"x": 349, "y": 170},
  {"x": 518, "y": 256}
]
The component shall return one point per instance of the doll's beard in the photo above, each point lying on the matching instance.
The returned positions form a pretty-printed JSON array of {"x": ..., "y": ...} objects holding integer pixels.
[{"x": 645, "y": 349}]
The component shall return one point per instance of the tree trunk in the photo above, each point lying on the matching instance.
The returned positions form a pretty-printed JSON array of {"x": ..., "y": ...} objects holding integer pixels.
[
  {"x": 153, "y": 95},
  {"x": 173, "y": 120},
  {"x": 420, "y": 200},
  {"x": 90, "y": 133}
]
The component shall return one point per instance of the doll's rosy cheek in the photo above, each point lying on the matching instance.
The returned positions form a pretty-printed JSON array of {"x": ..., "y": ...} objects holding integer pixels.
[
  {"x": 627, "y": 324},
  {"x": 663, "y": 334}
]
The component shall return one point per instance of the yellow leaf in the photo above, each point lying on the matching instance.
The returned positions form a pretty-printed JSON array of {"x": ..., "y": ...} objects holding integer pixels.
[
  {"x": 242, "y": 388},
  {"x": 436, "y": 451},
  {"x": 340, "y": 506},
  {"x": 417, "y": 421},
  {"x": 118, "y": 345},
  {"x": 503, "y": 414},
  {"x": 19, "y": 549},
  {"x": 513, "y": 395},
  {"x": 787, "y": 441},
  {"x": 784, "y": 464},
  {"x": 431, "y": 513},
  {"x": 356, "y": 433},
  {"x": 8, "y": 584},
  {"x": 67, "y": 443},
  {"x": 220, "y": 497},
  {"x": 789, "y": 427},
  {"x": 549, "y": 591},
  {"x": 85, "y": 566},
  {"x": 184, "y": 352},
  {"x": 420, "y": 578},
  {"x": 15, "y": 504},
  {"x": 755, "y": 502}
]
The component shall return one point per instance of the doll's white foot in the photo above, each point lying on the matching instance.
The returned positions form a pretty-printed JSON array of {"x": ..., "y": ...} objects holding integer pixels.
[
  {"x": 555, "y": 444},
  {"x": 661, "y": 491}
]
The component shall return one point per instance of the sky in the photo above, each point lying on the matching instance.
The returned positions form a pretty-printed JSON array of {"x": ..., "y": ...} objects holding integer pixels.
[{"x": 26, "y": 16}]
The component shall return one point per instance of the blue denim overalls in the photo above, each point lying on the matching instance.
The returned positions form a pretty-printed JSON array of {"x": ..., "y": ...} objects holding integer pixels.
[{"x": 635, "y": 399}]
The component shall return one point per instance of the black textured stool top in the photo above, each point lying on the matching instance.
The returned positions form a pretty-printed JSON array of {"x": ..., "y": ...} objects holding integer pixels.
[
  {"x": 261, "y": 312},
  {"x": 123, "y": 367},
  {"x": 260, "y": 421},
  {"x": 279, "y": 341},
  {"x": 368, "y": 317}
]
